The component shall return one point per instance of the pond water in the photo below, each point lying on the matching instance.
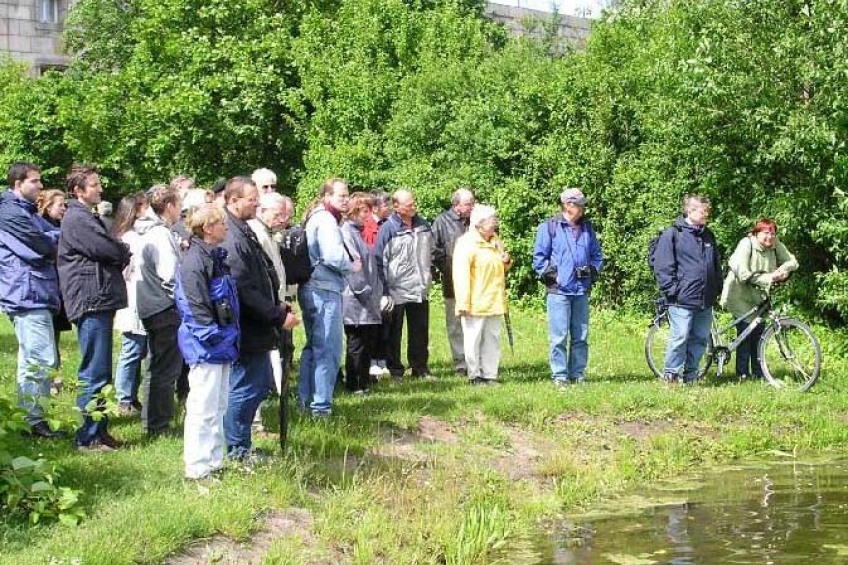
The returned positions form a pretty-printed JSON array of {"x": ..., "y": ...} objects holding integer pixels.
[{"x": 779, "y": 512}]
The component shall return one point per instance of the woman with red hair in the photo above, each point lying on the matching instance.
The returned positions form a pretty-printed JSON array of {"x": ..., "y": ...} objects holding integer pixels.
[{"x": 759, "y": 262}]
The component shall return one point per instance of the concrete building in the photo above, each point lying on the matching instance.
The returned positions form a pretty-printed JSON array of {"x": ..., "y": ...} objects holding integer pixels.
[
  {"x": 31, "y": 31},
  {"x": 521, "y": 22}
]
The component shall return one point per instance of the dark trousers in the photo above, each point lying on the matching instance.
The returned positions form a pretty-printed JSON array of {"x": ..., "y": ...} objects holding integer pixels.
[
  {"x": 361, "y": 341},
  {"x": 417, "y": 316},
  {"x": 166, "y": 364},
  {"x": 747, "y": 360}
]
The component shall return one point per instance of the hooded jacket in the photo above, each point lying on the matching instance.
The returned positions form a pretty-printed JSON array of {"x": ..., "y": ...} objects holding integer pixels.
[
  {"x": 156, "y": 267},
  {"x": 207, "y": 301},
  {"x": 688, "y": 266},
  {"x": 404, "y": 258},
  {"x": 28, "y": 244},
  {"x": 90, "y": 264},
  {"x": 361, "y": 296},
  {"x": 749, "y": 281}
]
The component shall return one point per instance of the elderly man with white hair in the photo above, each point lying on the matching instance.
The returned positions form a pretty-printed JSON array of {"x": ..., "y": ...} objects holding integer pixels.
[
  {"x": 273, "y": 215},
  {"x": 479, "y": 269},
  {"x": 265, "y": 180}
]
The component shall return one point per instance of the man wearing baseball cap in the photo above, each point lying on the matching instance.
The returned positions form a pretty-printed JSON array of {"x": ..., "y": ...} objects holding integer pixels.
[{"x": 567, "y": 258}]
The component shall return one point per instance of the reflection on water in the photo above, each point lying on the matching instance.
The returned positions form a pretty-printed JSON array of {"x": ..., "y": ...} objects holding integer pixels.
[{"x": 778, "y": 513}]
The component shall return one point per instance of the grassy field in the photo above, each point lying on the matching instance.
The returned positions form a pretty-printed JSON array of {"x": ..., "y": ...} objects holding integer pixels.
[{"x": 426, "y": 472}]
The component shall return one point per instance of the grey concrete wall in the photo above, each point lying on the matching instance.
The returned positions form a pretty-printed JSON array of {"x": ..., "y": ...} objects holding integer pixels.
[
  {"x": 26, "y": 39},
  {"x": 570, "y": 29}
]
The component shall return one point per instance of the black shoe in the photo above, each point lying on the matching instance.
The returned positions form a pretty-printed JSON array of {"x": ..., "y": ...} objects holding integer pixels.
[
  {"x": 110, "y": 441},
  {"x": 42, "y": 430},
  {"x": 462, "y": 372}
]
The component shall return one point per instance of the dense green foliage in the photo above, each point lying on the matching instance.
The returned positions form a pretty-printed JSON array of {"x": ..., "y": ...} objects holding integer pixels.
[{"x": 743, "y": 101}]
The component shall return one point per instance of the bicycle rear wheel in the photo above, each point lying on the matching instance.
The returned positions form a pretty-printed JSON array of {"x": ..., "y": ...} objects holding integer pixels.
[
  {"x": 790, "y": 355},
  {"x": 656, "y": 343}
]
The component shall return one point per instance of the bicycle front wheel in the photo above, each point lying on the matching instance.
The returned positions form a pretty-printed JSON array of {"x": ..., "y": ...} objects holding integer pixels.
[
  {"x": 790, "y": 355},
  {"x": 656, "y": 343}
]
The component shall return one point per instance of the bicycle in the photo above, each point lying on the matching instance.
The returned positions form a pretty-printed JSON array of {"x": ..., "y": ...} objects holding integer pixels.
[{"x": 789, "y": 353}]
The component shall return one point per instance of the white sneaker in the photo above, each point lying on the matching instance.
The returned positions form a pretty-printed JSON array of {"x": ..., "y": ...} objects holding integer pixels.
[{"x": 375, "y": 371}]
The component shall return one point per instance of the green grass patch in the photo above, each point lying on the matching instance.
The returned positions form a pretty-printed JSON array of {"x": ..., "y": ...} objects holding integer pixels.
[{"x": 429, "y": 472}]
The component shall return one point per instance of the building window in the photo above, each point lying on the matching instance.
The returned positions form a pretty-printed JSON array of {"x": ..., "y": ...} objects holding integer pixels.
[{"x": 48, "y": 11}]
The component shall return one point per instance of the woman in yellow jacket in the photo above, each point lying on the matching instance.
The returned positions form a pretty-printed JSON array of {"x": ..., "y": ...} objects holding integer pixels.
[{"x": 479, "y": 281}]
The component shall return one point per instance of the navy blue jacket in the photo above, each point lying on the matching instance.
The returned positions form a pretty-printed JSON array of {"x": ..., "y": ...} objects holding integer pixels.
[
  {"x": 28, "y": 244},
  {"x": 688, "y": 266},
  {"x": 90, "y": 263},
  {"x": 567, "y": 254},
  {"x": 261, "y": 315},
  {"x": 202, "y": 282}
]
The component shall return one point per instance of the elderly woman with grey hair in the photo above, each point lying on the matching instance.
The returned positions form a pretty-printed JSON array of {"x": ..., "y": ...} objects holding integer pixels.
[{"x": 480, "y": 264}]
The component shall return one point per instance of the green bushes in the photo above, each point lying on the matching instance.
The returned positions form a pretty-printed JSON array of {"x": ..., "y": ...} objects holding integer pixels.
[
  {"x": 741, "y": 101},
  {"x": 29, "y": 487}
]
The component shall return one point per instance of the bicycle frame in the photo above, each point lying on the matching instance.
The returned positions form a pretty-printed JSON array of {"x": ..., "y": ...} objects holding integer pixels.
[{"x": 720, "y": 351}]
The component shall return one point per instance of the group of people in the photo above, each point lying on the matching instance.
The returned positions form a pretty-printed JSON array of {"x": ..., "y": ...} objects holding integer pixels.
[{"x": 196, "y": 282}]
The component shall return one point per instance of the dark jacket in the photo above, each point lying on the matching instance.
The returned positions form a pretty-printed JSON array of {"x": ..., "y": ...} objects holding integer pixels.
[
  {"x": 447, "y": 228},
  {"x": 207, "y": 300},
  {"x": 567, "y": 253},
  {"x": 28, "y": 278},
  {"x": 261, "y": 315},
  {"x": 688, "y": 266},
  {"x": 90, "y": 264}
]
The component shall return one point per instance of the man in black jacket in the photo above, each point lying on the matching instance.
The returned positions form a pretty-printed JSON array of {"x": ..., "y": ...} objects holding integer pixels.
[
  {"x": 261, "y": 315},
  {"x": 90, "y": 268},
  {"x": 447, "y": 227},
  {"x": 688, "y": 272}
]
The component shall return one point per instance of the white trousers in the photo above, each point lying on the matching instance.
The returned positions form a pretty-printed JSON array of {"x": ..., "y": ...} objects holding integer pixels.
[
  {"x": 203, "y": 452},
  {"x": 482, "y": 345},
  {"x": 454, "y": 328}
]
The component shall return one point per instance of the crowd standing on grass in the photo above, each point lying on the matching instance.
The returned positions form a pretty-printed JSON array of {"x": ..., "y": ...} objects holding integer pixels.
[{"x": 201, "y": 286}]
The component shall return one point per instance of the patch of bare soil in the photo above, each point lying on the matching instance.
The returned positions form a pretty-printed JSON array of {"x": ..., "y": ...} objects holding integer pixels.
[
  {"x": 220, "y": 550},
  {"x": 521, "y": 461},
  {"x": 642, "y": 431},
  {"x": 404, "y": 444}
]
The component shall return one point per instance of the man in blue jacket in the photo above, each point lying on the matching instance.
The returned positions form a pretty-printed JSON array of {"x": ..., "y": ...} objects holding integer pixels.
[
  {"x": 29, "y": 289},
  {"x": 688, "y": 271},
  {"x": 567, "y": 257}
]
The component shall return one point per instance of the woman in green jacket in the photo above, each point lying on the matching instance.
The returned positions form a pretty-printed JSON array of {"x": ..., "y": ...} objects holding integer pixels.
[{"x": 759, "y": 262}]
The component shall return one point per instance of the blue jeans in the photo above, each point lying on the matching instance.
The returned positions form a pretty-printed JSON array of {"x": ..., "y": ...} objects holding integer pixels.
[
  {"x": 250, "y": 382},
  {"x": 568, "y": 320},
  {"x": 322, "y": 354},
  {"x": 688, "y": 338},
  {"x": 128, "y": 369},
  {"x": 94, "y": 333},
  {"x": 36, "y": 354}
]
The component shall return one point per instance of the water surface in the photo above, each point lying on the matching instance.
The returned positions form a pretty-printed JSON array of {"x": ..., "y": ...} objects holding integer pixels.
[{"x": 779, "y": 512}]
